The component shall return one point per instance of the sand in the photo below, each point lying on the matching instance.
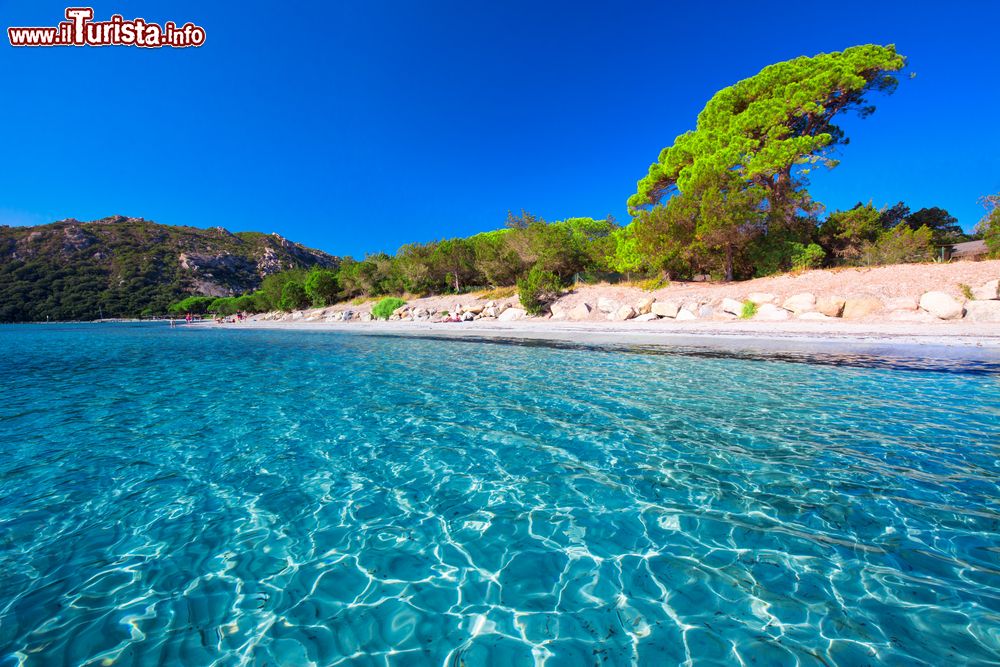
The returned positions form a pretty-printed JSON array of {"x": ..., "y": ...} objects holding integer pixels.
[
  {"x": 815, "y": 340},
  {"x": 875, "y": 334}
]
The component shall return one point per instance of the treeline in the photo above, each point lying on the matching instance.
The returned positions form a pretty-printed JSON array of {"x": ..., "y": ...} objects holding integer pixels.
[
  {"x": 287, "y": 290},
  {"x": 670, "y": 239},
  {"x": 563, "y": 250},
  {"x": 657, "y": 246}
]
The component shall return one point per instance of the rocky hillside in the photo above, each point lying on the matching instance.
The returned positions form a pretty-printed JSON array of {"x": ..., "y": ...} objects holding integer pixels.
[{"x": 127, "y": 267}]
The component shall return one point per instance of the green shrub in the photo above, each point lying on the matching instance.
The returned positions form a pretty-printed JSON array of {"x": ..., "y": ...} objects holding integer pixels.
[
  {"x": 225, "y": 305},
  {"x": 537, "y": 289},
  {"x": 273, "y": 286},
  {"x": 293, "y": 297},
  {"x": 196, "y": 305},
  {"x": 322, "y": 287},
  {"x": 783, "y": 251},
  {"x": 384, "y": 308},
  {"x": 966, "y": 292},
  {"x": 749, "y": 310},
  {"x": 261, "y": 302},
  {"x": 900, "y": 245},
  {"x": 807, "y": 256},
  {"x": 246, "y": 303},
  {"x": 988, "y": 229}
]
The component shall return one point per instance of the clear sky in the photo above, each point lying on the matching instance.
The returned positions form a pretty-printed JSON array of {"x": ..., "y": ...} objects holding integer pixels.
[{"x": 358, "y": 126}]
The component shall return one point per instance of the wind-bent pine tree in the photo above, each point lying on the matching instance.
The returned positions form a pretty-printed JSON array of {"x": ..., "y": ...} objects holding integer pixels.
[{"x": 771, "y": 128}]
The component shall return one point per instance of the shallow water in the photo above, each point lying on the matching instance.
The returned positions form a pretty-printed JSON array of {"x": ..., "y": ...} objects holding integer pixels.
[{"x": 191, "y": 496}]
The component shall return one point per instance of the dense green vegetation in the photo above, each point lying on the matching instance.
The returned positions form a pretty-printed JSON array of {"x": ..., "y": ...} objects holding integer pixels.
[
  {"x": 129, "y": 267},
  {"x": 729, "y": 198},
  {"x": 558, "y": 250},
  {"x": 537, "y": 289},
  {"x": 989, "y": 227},
  {"x": 384, "y": 308},
  {"x": 195, "y": 305}
]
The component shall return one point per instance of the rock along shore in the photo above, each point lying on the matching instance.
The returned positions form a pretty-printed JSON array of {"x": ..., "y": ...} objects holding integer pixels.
[{"x": 918, "y": 302}]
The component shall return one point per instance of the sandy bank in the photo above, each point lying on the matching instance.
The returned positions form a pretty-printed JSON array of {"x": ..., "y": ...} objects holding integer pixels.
[
  {"x": 894, "y": 318},
  {"x": 942, "y": 341}
]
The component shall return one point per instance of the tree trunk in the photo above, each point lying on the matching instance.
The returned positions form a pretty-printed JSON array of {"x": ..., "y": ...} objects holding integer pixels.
[{"x": 729, "y": 263}]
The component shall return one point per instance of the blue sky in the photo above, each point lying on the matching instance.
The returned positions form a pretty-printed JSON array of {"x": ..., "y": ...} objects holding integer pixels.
[{"x": 355, "y": 127}]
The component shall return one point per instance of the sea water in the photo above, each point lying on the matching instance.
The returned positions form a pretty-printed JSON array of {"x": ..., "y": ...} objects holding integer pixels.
[{"x": 216, "y": 496}]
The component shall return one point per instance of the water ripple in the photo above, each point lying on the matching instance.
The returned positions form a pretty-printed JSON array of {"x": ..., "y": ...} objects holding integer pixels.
[{"x": 201, "y": 497}]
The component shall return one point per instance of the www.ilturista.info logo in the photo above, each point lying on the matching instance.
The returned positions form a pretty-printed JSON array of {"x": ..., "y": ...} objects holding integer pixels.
[{"x": 79, "y": 29}]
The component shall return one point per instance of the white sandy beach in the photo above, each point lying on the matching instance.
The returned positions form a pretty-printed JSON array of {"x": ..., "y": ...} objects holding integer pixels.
[{"x": 965, "y": 341}]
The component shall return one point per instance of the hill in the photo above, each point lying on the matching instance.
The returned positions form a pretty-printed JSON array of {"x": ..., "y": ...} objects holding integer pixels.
[{"x": 129, "y": 267}]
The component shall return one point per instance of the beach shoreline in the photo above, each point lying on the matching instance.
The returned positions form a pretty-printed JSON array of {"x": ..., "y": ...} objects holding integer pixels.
[
  {"x": 914, "y": 307},
  {"x": 940, "y": 341}
]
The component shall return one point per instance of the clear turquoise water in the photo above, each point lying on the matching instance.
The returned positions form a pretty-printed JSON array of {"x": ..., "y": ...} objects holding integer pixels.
[{"x": 230, "y": 497}]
